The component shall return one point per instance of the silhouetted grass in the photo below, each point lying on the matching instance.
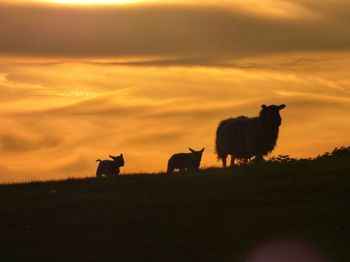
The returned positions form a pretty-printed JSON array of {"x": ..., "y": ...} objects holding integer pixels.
[{"x": 212, "y": 215}]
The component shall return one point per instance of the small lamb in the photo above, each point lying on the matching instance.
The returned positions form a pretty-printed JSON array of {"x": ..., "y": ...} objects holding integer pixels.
[
  {"x": 110, "y": 168},
  {"x": 185, "y": 161}
]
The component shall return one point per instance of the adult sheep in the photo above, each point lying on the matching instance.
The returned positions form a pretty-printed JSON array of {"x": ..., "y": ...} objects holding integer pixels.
[{"x": 244, "y": 138}]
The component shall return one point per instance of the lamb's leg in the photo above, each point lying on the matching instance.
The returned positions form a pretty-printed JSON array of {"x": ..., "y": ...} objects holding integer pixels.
[{"x": 99, "y": 172}]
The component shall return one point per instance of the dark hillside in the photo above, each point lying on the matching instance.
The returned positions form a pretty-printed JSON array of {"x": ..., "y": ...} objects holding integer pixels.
[{"x": 215, "y": 215}]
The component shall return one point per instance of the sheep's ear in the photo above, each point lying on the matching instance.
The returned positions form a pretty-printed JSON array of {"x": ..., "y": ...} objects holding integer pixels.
[
  {"x": 263, "y": 106},
  {"x": 202, "y": 150},
  {"x": 281, "y": 107},
  {"x": 113, "y": 157},
  {"x": 193, "y": 151},
  {"x": 121, "y": 155}
]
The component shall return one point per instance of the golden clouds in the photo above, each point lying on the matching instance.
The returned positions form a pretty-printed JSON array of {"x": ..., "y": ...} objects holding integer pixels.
[{"x": 150, "y": 112}]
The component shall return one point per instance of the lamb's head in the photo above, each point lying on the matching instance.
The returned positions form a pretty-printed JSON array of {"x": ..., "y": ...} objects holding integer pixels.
[
  {"x": 271, "y": 114},
  {"x": 119, "y": 160},
  {"x": 197, "y": 155}
]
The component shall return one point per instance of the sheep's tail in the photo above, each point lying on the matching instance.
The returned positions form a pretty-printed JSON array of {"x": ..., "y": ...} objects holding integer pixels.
[{"x": 99, "y": 160}]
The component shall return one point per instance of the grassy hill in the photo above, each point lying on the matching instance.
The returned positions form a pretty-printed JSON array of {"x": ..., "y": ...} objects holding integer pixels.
[{"x": 212, "y": 215}]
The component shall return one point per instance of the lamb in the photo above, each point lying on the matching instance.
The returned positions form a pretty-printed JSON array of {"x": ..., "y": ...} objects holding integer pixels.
[
  {"x": 244, "y": 138},
  {"x": 110, "y": 168},
  {"x": 185, "y": 161}
]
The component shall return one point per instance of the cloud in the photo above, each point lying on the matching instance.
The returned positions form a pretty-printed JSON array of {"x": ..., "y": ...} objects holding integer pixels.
[
  {"x": 11, "y": 143},
  {"x": 107, "y": 105},
  {"x": 73, "y": 144},
  {"x": 14, "y": 91},
  {"x": 178, "y": 34},
  {"x": 74, "y": 165},
  {"x": 155, "y": 139},
  {"x": 150, "y": 113}
]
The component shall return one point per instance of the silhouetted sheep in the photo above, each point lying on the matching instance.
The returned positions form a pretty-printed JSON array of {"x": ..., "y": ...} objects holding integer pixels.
[
  {"x": 244, "y": 138},
  {"x": 185, "y": 161},
  {"x": 110, "y": 168}
]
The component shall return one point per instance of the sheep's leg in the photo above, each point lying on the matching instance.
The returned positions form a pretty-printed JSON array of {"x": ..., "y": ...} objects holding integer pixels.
[
  {"x": 233, "y": 159},
  {"x": 224, "y": 159}
]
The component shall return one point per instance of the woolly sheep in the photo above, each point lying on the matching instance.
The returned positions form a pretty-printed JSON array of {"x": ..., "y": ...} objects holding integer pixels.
[{"x": 244, "y": 138}]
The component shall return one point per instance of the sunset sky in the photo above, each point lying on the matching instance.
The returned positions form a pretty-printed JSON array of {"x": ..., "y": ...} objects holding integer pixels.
[{"x": 80, "y": 80}]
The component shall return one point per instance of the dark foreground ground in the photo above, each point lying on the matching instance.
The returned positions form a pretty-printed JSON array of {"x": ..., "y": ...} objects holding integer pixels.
[{"x": 214, "y": 215}]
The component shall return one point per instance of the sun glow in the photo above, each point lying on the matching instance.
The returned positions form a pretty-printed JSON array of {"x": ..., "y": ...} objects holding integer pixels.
[
  {"x": 88, "y": 2},
  {"x": 93, "y": 1}
]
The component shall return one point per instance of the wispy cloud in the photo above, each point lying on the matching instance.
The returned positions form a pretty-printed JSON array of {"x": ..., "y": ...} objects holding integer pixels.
[
  {"x": 188, "y": 34},
  {"x": 13, "y": 143},
  {"x": 150, "y": 113}
]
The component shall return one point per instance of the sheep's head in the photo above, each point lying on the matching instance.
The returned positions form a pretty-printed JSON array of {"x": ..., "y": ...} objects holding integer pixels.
[
  {"x": 119, "y": 160},
  {"x": 271, "y": 114},
  {"x": 197, "y": 155}
]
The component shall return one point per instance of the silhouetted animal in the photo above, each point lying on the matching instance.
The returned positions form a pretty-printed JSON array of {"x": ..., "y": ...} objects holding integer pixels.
[
  {"x": 110, "y": 168},
  {"x": 244, "y": 138},
  {"x": 185, "y": 161}
]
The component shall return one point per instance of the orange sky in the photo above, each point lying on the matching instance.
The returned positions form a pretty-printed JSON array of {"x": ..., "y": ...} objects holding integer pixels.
[{"x": 80, "y": 82}]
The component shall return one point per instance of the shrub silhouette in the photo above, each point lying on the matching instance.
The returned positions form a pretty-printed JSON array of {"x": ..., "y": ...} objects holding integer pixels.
[
  {"x": 244, "y": 138},
  {"x": 342, "y": 152},
  {"x": 110, "y": 168},
  {"x": 185, "y": 161}
]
